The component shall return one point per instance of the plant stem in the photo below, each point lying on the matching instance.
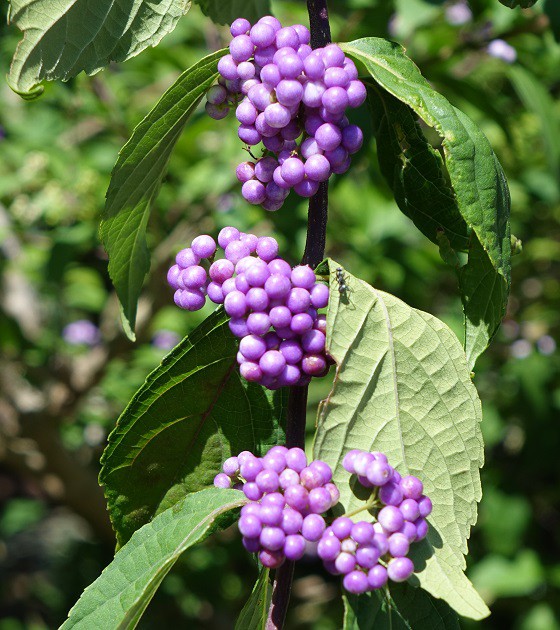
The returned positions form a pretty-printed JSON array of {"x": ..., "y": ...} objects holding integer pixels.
[{"x": 313, "y": 255}]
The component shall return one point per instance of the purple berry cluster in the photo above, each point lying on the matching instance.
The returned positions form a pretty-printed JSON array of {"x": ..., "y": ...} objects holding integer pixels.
[
  {"x": 273, "y": 308},
  {"x": 286, "y": 499},
  {"x": 292, "y": 99},
  {"x": 369, "y": 554}
]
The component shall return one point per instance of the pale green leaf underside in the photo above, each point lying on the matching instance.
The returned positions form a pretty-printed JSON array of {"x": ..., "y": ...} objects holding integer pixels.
[
  {"x": 255, "y": 612},
  {"x": 403, "y": 387},
  {"x": 415, "y": 610},
  {"x": 121, "y": 593},
  {"x": 476, "y": 176},
  {"x": 192, "y": 413},
  {"x": 136, "y": 179},
  {"x": 62, "y": 38}
]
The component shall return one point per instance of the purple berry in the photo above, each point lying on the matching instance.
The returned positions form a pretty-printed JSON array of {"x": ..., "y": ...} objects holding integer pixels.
[
  {"x": 319, "y": 500},
  {"x": 367, "y": 556},
  {"x": 391, "y": 494},
  {"x": 398, "y": 545},
  {"x": 333, "y": 56},
  {"x": 186, "y": 258},
  {"x": 238, "y": 327},
  {"x": 236, "y": 250},
  {"x": 410, "y": 509},
  {"x": 251, "y": 372},
  {"x": 328, "y": 137},
  {"x": 400, "y": 569},
  {"x": 271, "y": 75},
  {"x": 271, "y": 514},
  {"x": 221, "y": 480},
  {"x": 297, "y": 497},
  {"x": 267, "y": 248},
  {"x": 291, "y": 520},
  {"x": 271, "y": 559},
  {"x": 425, "y": 506},
  {"x": 362, "y": 532},
  {"x": 328, "y": 547},
  {"x": 421, "y": 529},
  {"x": 412, "y": 487},
  {"x": 296, "y": 459},
  {"x": 391, "y": 518},
  {"x": 294, "y": 547},
  {"x": 250, "y": 526},
  {"x": 268, "y": 481},
  {"x": 313, "y": 527},
  {"x": 272, "y": 363},
  {"x": 231, "y": 466},
  {"x": 379, "y": 473},
  {"x": 227, "y": 67},
  {"x": 239, "y": 27},
  {"x": 355, "y": 582},
  {"x": 226, "y": 236},
  {"x": 262, "y": 35},
  {"x": 356, "y": 92},
  {"x": 377, "y": 577},
  {"x": 345, "y": 562},
  {"x": 335, "y": 100}
]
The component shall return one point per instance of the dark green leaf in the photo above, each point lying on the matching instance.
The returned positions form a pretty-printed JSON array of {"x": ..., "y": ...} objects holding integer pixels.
[
  {"x": 226, "y": 11},
  {"x": 119, "y": 597},
  {"x": 513, "y": 4},
  {"x": 193, "y": 412},
  {"x": 136, "y": 179},
  {"x": 410, "y": 608},
  {"x": 475, "y": 176},
  {"x": 254, "y": 613},
  {"x": 415, "y": 171},
  {"x": 62, "y": 38},
  {"x": 552, "y": 10},
  {"x": 403, "y": 387}
]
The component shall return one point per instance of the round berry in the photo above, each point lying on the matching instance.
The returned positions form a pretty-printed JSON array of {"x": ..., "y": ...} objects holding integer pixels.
[
  {"x": 377, "y": 577},
  {"x": 400, "y": 569},
  {"x": 355, "y": 582},
  {"x": 313, "y": 527}
]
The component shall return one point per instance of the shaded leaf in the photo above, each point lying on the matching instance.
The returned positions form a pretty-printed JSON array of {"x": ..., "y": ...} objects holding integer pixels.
[
  {"x": 552, "y": 10},
  {"x": 410, "y": 608},
  {"x": 136, "y": 179},
  {"x": 403, "y": 387},
  {"x": 475, "y": 176},
  {"x": 62, "y": 38},
  {"x": 538, "y": 100},
  {"x": 513, "y": 4},
  {"x": 226, "y": 11},
  {"x": 254, "y": 613},
  {"x": 120, "y": 595},
  {"x": 193, "y": 412}
]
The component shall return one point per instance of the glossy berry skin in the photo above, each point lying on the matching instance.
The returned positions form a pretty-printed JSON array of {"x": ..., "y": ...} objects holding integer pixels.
[{"x": 283, "y": 92}]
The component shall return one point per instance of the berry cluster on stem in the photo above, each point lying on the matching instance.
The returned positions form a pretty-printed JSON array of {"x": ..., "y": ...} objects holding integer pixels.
[
  {"x": 292, "y": 99},
  {"x": 370, "y": 553},
  {"x": 287, "y": 498},
  {"x": 273, "y": 308}
]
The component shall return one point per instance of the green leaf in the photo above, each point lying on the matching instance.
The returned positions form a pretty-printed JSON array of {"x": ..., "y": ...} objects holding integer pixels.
[
  {"x": 136, "y": 179},
  {"x": 62, "y": 38},
  {"x": 193, "y": 412},
  {"x": 403, "y": 387},
  {"x": 254, "y": 613},
  {"x": 537, "y": 100},
  {"x": 410, "y": 608},
  {"x": 476, "y": 178},
  {"x": 415, "y": 171},
  {"x": 226, "y": 11},
  {"x": 120, "y": 595},
  {"x": 552, "y": 10},
  {"x": 513, "y": 4},
  {"x": 482, "y": 294}
]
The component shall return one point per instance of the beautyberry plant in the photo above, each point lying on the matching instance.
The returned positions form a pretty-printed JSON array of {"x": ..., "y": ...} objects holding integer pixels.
[{"x": 216, "y": 435}]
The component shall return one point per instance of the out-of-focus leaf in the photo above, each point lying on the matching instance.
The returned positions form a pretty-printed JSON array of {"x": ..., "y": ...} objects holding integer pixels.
[
  {"x": 63, "y": 37},
  {"x": 254, "y": 613},
  {"x": 415, "y": 610},
  {"x": 136, "y": 179},
  {"x": 120, "y": 595},
  {"x": 537, "y": 100},
  {"x": 552, "y": 9},
  {"x": 226, "y": 11},
  {"x": 496, "y": 576},
  {"x": 193, "y": 412},
  {"x": 403, "y": 387}
]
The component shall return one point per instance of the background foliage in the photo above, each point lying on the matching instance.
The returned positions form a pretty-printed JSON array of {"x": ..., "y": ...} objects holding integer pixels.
[{"x": 58, "y": 402}]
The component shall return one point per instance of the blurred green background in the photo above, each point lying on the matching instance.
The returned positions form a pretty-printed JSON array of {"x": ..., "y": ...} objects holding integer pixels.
[{"x": 59, "y": 400}]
